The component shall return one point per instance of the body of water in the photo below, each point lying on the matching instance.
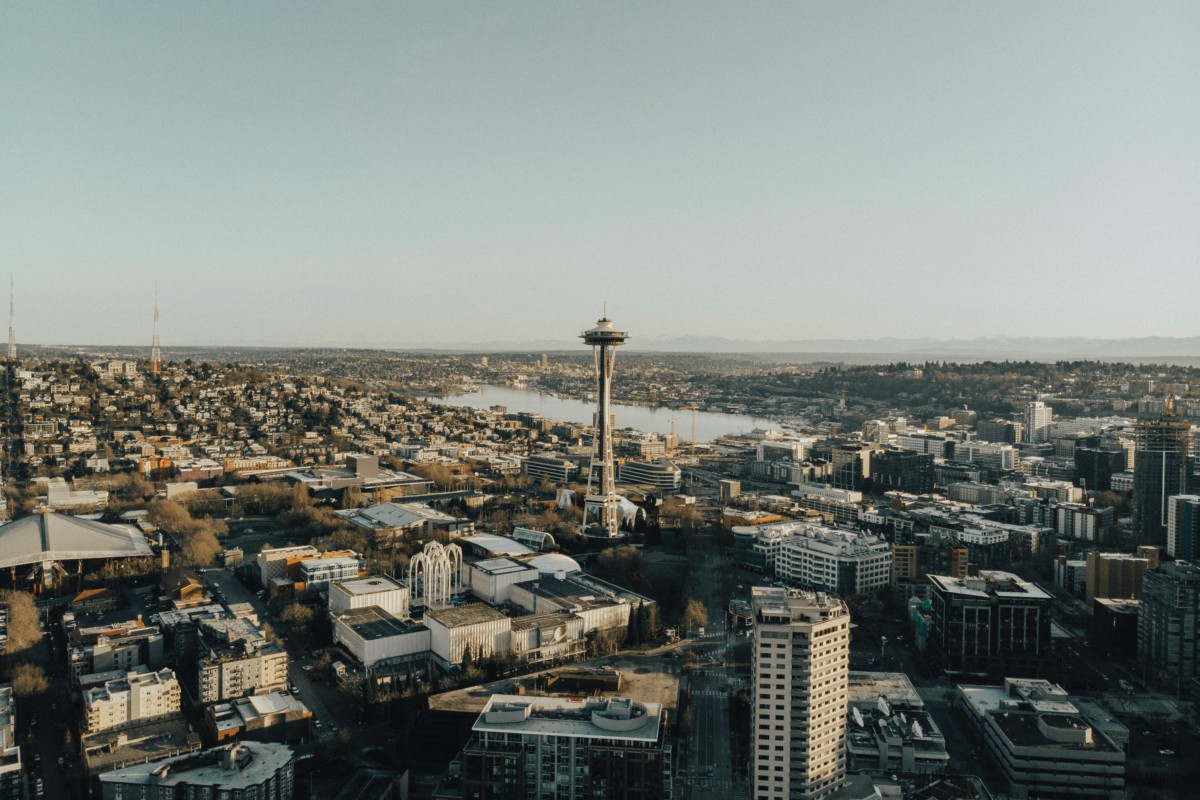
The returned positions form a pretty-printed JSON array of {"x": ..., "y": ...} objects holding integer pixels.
[{"x": 709, "y": 425}]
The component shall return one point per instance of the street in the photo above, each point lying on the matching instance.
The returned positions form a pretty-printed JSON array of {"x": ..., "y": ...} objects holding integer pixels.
[
  {"x": 707, "y": 771},
  {"x": 307, "y": 689}
]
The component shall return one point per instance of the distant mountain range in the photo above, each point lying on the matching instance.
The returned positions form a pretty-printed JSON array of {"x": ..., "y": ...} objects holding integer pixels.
[
  {"x": 1181, "y": 350},
  {"x": 997, "y": 347}
]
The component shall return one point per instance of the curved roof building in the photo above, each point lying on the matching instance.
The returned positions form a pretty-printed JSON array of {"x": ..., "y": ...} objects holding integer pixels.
[{"x": 45, "y": 537}]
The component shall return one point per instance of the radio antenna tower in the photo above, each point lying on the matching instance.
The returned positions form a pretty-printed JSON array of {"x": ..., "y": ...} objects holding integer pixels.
[
  {"x": 155, "y": 350},
  {"x": 12, "y": 332}
]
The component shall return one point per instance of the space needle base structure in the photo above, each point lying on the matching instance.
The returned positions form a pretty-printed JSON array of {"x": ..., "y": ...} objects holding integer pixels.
[{"x": 602, "y": 512}]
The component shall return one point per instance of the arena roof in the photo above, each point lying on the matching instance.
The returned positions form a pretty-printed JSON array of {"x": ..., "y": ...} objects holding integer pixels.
[{"x": 61, "y": 537}]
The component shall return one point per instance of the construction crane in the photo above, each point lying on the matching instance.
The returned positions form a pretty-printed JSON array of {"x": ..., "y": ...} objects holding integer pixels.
[{"x": 692, "y": 408}]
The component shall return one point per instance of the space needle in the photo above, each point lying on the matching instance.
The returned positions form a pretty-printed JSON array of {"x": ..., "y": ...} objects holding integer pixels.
[{"x": 602, "y": 515}]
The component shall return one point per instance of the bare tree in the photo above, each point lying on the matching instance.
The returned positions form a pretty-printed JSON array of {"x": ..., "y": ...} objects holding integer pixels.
[
  {"x": 198, "y": 547},
  {"x": 29, "y": 679},
  {"x": 24, "y": 628},
  {"x": 169, "y": 515},
  {"x": 695, "y": 615},
  {"x": 297, "y": 615}
]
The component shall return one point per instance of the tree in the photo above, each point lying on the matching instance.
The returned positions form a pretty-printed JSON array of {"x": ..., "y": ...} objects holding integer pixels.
[
  {"x": 266, "y": 499},
  {"x": 297, "y": 615},
  {"x": 198, "y": 547},
  {"x": 633, "y": 634},
  {"x": 204, "y": 504},
  {"x": 29, "y": 679},
  {"x": 695, "y": 615},
  {"x": 24, "y": 627},
  {"x": 468, "y": 658},
  {"x": 129, "y": 486},
  {"x": 439, "y": 474},
  {"x": 169, "y": 515},
  {"x": 648, "y": 622}
]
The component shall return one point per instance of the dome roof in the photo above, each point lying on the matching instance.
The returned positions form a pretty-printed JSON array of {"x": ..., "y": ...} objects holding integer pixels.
[{"x": 550, "y": 563}]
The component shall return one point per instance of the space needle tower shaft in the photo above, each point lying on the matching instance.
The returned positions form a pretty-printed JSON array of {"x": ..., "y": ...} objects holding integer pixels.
[{"x": 603, "y": 505}]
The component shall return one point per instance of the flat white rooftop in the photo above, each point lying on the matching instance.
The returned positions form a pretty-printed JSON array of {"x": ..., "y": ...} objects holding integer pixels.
[
  {"x": 587, "y": 718},
  {"x": 370, "y": 585}
]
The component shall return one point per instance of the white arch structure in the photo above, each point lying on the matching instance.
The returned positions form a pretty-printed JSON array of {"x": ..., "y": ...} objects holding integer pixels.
[{"x": 433, "y": 574}]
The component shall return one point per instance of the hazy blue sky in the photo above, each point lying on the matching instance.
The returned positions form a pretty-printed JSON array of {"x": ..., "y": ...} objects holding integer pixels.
[{"x": 416, "y": 173}]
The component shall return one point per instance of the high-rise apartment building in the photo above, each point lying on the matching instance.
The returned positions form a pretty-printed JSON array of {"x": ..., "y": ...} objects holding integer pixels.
[
  {"x": 1183, "y": 526},
  {"x": 546, "y": 748},
  {"x": 1038, "y": 417},
  {"x": 1162, "y": 468},
  {"x": 137, "y": 697},
  {"x": 10, "y": 751},
  {"x": 1095, "y": 466},
  {"x": 800, "y": 671},
  {"x": 993, "y": 623},
  {"x": 1000, "y": 431},
  {"x": 1169, "y": 624},
  {"x": 1114, "y": 575},
  {"x": 831, "y": 560},
  {"x": 903, "y": 471}
]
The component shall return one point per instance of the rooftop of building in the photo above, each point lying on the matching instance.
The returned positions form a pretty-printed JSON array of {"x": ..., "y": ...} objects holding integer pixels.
[
  {"x": 325, "y": 562},
  {"x": 772, "y": 604},
  {"x": 1046, "y": 731},
  {"x": 838, "y": 542},
  {"x": 494, "y": 545},
  {"x": 1179, "y": 570},
  {"x": 1035, "y": 696},
  {"x": 149, "y": 742},
  {"x": 128, "y": 681},
  {"x": 989, "y": 583},
  {"x": 914, "y": 727},
  {"x": 231, "y": 767},
  {"x": 658, "y": 464},
  {"x": 281, "y": 553},
  {"x": 553, "y": 563},
  {"x": 93, "y": 679},
  {"x": 501, "y": 566},
  {"x": 175, "y": 617},
  {"x": 372, "y": 622},
  {"x": 386, "y": 516},
  {"x": 1120, "y": 557},
  {"x": 592, "y": 718},
  {"x": 368, "y": 585},
  {"x": 257, "y": 706},
  {"x": 550, "y": 619},
  {"x": 90, "y": 627},
  {"x": 646, "y": 680},
  {"x": 1038, "y": 694},
  {"x": 867, "y": 687},
  {"x": 580, "y": 590},
  {"x": 224, "y": 629},
  {"x": 470, "y": 614},
  {"x": 1119, "y": 605}
]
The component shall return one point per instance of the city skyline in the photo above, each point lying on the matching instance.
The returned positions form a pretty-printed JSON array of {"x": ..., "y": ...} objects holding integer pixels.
[{"x": 403, "y": 176}]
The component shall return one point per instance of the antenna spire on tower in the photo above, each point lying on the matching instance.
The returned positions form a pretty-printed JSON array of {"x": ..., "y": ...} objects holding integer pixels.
[
  {"x": 12, "y": 332},
  {"x": 155, "y": 350}
]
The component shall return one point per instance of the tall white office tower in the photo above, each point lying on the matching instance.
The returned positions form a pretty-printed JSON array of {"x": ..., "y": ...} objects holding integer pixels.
[
  {"x": 1038, "y": 417},
  {"x": 801, "y": 672}
]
